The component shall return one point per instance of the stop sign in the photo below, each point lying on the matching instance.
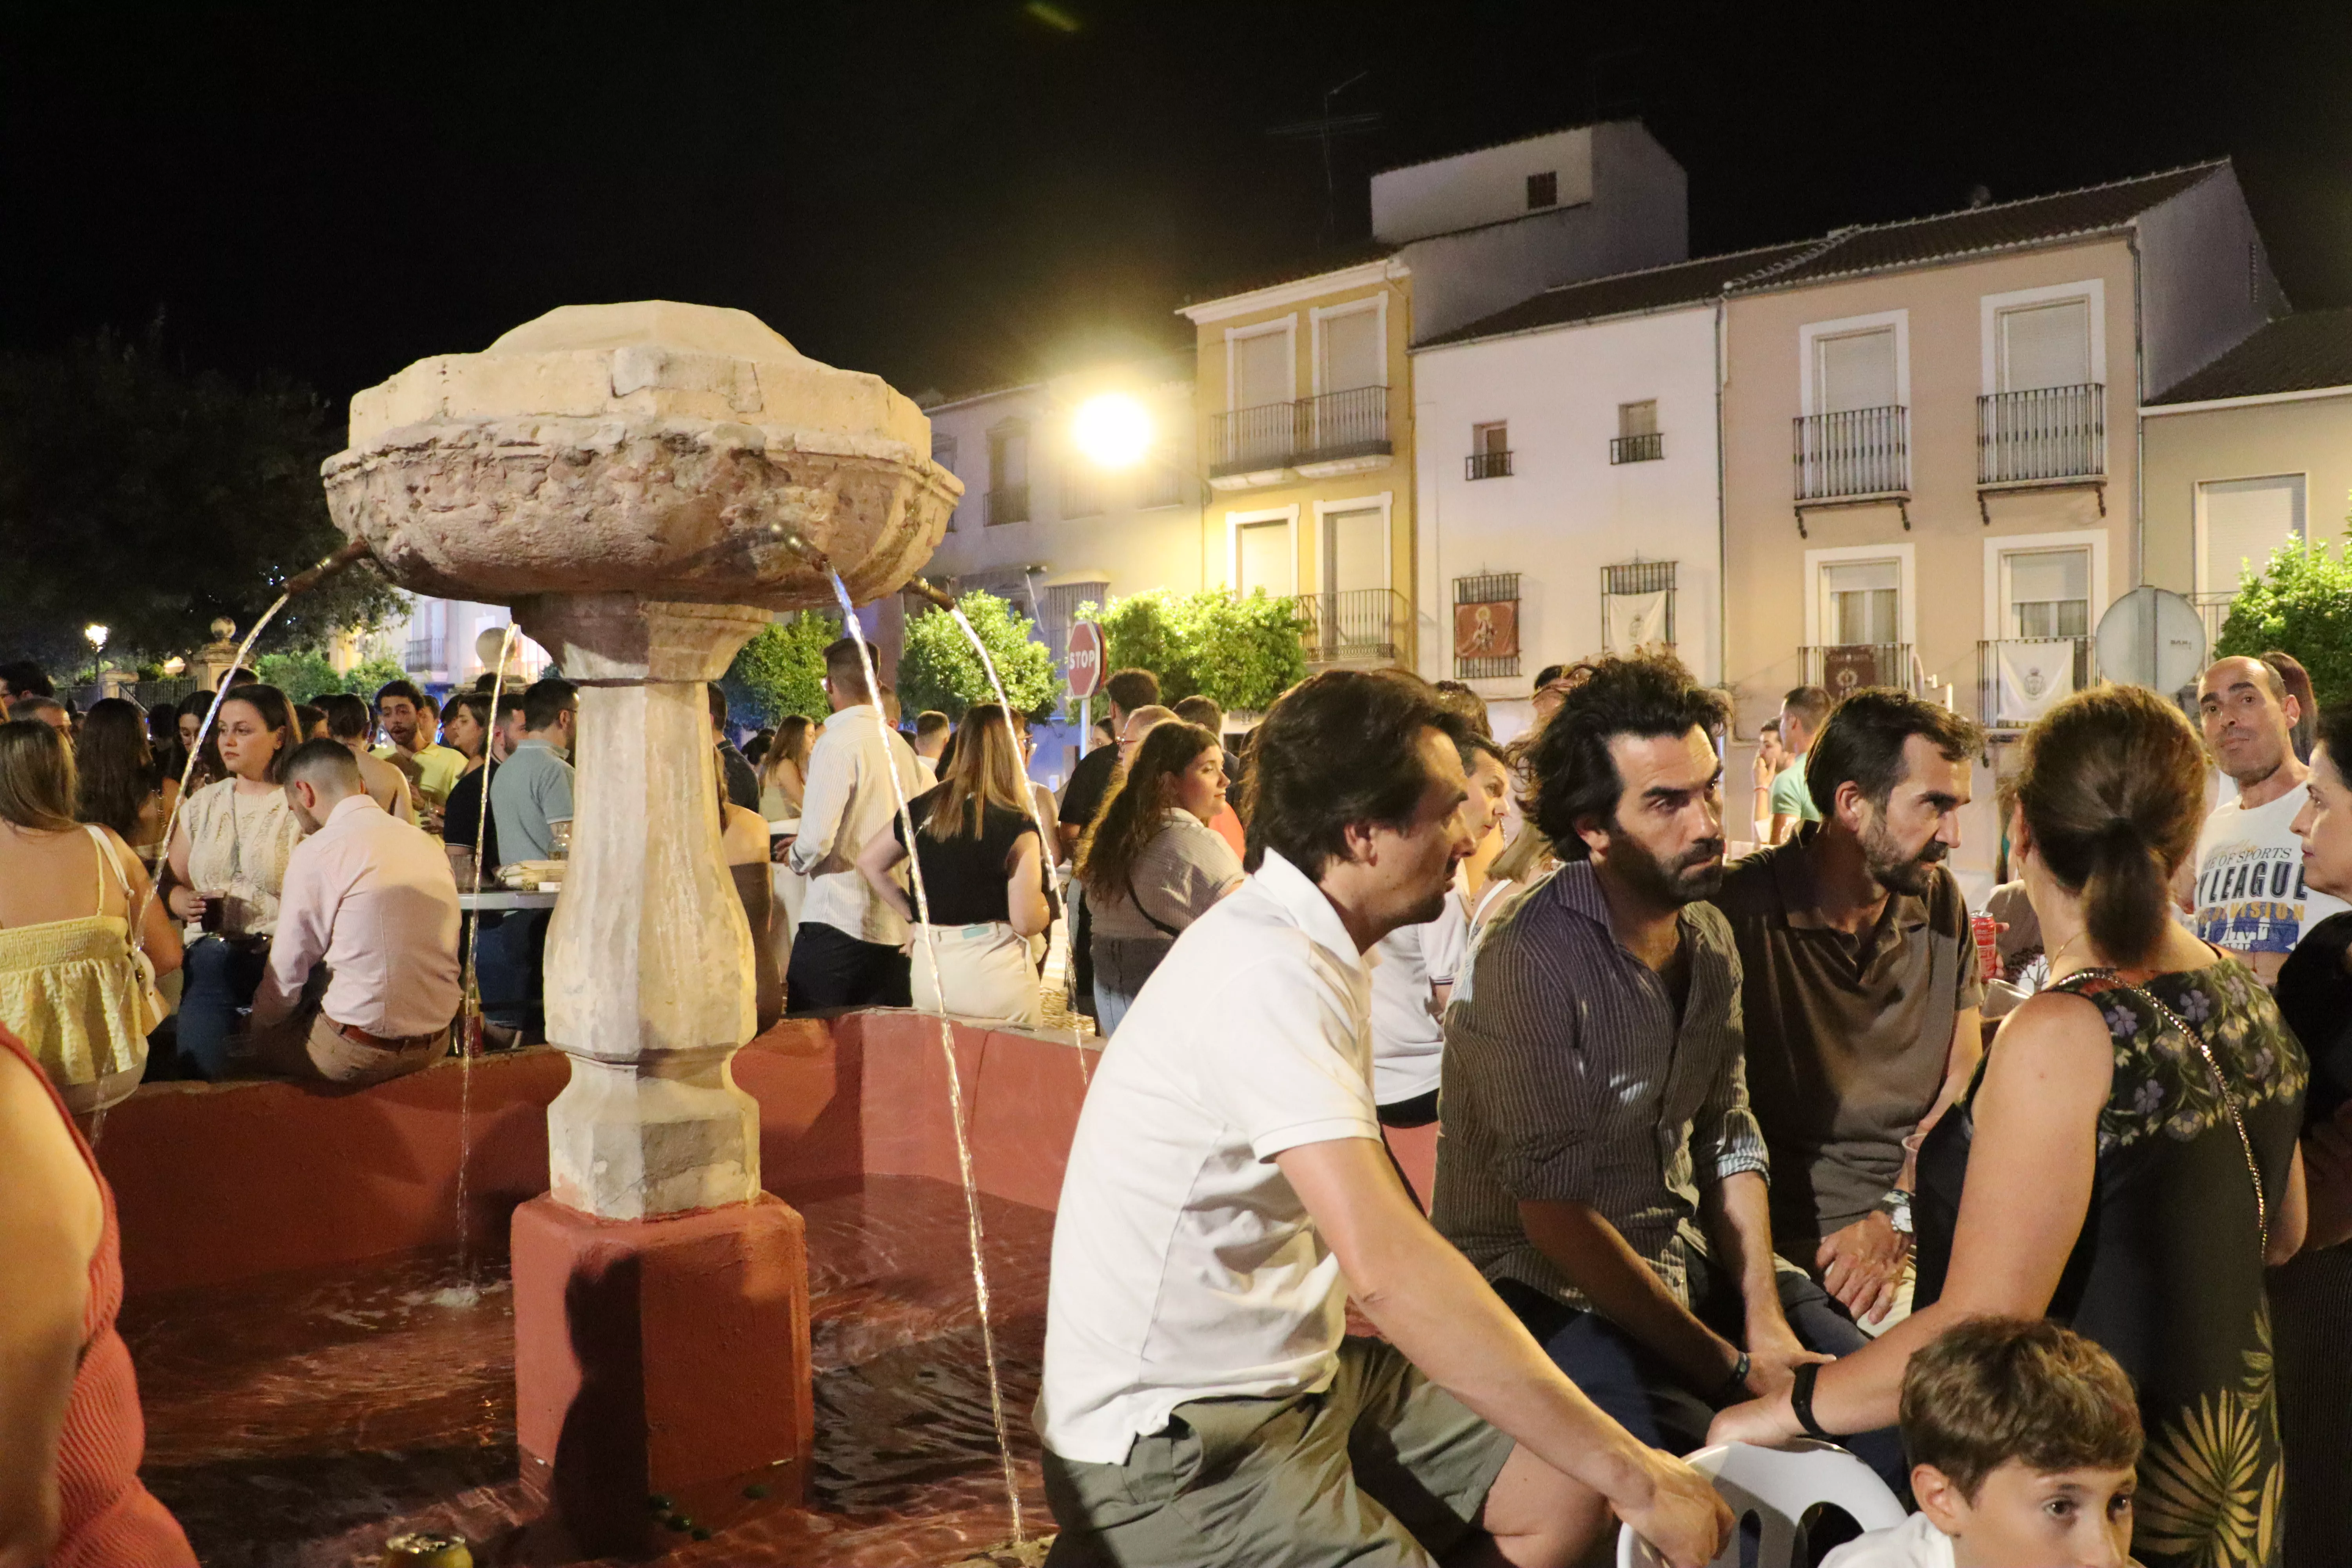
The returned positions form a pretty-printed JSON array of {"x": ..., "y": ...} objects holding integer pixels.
[{"x": 1086, "y": 660}]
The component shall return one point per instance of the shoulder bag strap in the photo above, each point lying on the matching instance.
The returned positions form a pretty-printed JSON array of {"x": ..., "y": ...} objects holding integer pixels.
[{"x": 2222, "y": 1084}]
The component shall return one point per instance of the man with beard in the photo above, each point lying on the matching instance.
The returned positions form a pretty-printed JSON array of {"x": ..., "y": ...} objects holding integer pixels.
[
  {"x": 1862, "y": 989},
  {"x": 1599, "y": 1164}
]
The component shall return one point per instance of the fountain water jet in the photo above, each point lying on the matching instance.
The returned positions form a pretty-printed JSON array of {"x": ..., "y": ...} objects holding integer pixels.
[{"x": 644, "y": 484}]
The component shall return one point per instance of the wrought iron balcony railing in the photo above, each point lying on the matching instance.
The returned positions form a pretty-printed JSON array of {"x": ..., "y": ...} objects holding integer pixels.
[
  {"x": 1644, "y": 448},
  {"x": 2019, "y": 678},
  {"x": 2049, "y": 433},
  {"x": 1336, "y": 425},
  {"x": 1859, "y": 452},
  {"x": 1006, "y": 503},
  {"x": 1487, "y": 466},
  {"x": 1357, "y": 626}
]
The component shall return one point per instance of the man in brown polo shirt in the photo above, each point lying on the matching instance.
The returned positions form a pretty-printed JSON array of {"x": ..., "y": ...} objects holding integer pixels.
[{"x": 1860, "y": 990}]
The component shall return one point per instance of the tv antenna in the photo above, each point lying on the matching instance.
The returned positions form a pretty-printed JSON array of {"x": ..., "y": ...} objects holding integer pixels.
[{"x": 1324, "y": 128}]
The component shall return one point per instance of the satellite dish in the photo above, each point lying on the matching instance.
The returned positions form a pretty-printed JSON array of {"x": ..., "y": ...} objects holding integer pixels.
[{"x": 2152, "y": 637}]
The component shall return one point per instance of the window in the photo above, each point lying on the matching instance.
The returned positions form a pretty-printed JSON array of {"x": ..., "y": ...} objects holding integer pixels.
[
  {"x": 1861, "y": 602},
  {"x": 1543, "y": 190},
  {"x": 1854, "y": 370},
  {"x": 1355, "y": 550},
  {"x": 1163, "y": 484},
  {"x": 2047, "y": 593},
  {"x": 2042, "y": 345},
  {"x": 1263, "y": 558},
  {"x": 1008, "y": 474},
  {"x": 1637, "y": 605},
  {"x": 1261, "y": 368},
  {"x": 1638, "y": 441},
  {"x": 1490, "y": 450},
  {"x": 1061, "y": 613},
  {"x": 1082, "y": 489},
  {"x": 1352, "y": 351},
  {"x": 2239, "y": 523}
]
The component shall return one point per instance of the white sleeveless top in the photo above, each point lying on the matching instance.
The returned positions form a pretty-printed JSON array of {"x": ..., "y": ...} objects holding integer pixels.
[{"x": 239, "y": 845}]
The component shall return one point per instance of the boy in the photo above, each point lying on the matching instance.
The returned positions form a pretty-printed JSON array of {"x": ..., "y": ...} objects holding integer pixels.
[{"x": 2023, "y": 1437}]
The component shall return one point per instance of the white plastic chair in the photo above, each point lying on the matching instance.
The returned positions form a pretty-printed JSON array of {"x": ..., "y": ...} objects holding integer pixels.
[{"x": 1778, "y": 1486}]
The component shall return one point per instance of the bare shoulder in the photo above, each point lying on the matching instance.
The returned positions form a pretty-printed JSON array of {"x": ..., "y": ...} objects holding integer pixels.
[
  {"x": 49, "y": 1180},
  {"x": 2053, "y": 1032}
]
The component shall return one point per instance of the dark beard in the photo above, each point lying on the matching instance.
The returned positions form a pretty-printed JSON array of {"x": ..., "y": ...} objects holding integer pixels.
[
  {"x": 1697, "y": 874},
  {"x": 1897, "y": 870}
]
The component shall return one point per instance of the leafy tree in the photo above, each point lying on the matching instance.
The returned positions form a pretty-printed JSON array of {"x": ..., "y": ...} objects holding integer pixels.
[
  {"x": 153, "y": 499},
  {"x": 2299, "y": 602},
  {"x": 781, "y": 671},
  {"x": 302, "y": 674},
  {"x": 937, "y": 668},
  {"x": 1242, "y": 652},
  {"x": 366, "y": 679}
]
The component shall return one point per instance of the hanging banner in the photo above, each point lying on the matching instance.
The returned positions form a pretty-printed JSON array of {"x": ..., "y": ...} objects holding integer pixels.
[
  {"x": 1634, "y": 621},
  {"x": 2034, "y": 677},
  {"x": 1486, "y": 630}
]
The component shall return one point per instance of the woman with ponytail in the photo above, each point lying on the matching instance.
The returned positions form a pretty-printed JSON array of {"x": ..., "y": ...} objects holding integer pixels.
[{"x": 2126, "y": 1160}]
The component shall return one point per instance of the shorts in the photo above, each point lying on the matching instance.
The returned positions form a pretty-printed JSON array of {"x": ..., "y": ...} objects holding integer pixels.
[{"x": 1382, "y": 1467}]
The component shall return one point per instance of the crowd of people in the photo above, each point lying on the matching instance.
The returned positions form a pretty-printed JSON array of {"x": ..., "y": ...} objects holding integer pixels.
[{"x": 2040, "y": 1208}]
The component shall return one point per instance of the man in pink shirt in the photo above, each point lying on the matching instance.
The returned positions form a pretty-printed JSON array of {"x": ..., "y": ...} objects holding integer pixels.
[{"x": 362, "y": 977}]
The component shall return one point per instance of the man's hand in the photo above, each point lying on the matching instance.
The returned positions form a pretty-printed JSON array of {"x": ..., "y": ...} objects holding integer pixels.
[
  {"x": 1861, "y": 1266},
  {"x": 1684, "y": 1518},
  {"x": 2327, "y": 1176},
  {"x": 1767, "y": 1423},
  {"x": 1774, "y": 1354}
]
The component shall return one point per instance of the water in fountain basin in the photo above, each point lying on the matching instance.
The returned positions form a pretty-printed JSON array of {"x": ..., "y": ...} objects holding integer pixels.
[
  {"x": 1029, "y": 798},
  {"x": 947, "y": 1051}
]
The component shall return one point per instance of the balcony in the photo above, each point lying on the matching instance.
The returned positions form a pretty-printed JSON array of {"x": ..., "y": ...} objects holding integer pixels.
[
  {"x": 1847, "y": 669},
  {"x": 1853, "y": 455},
  {"x": 1648, "y": 447},
  {"x": 1317, "y": 437},
  {"x": 1357, "y": 626},
  {"x": 2049, "y": 434},
  {"x": 1006, "y": 503},
  {"x": 2019, "y": 679},
  {"x": 1486, "y": 466}
]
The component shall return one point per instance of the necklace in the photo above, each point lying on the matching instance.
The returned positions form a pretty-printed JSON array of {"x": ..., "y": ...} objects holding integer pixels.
[{"x": 2062, "y": 950}]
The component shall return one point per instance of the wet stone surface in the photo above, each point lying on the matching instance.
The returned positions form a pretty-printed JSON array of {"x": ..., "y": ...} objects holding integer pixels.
[{"x": 296, "y": 1422}]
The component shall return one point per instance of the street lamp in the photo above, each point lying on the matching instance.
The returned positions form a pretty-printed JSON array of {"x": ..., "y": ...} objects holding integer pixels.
[
  {"x": 1112, "y": 429},
  {"x": 97, "y": 635}
]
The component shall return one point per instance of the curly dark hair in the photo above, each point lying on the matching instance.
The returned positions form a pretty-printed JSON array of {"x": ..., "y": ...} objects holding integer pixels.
[
  {"x": 1571, "y": 777},
  {"x": 1336, "y": 750},
  {"x": 1864, "y": 738},
  {"x": 1137, "y": 806}
]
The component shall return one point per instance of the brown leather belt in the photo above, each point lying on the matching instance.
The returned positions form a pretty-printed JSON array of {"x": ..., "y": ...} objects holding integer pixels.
[{"x": 360, "y": 1036}]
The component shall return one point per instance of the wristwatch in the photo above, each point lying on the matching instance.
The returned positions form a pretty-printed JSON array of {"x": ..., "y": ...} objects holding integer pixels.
[
  {"x": 1801, "y": 1400},
  {"x": 1735, "y": 1384},
  {"x": 1896, "y": 1206}
]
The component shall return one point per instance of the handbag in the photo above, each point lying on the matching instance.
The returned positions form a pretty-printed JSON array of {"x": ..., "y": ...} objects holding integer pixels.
[
  {"x": 151, "y": 1007},
  {"x": 2221, "y": 1085}
]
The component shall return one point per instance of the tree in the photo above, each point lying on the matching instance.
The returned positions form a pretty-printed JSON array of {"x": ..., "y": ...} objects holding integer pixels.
[
  {"x": 153, "y": 499},
  {"x": 937, "y": 668},
  {"x": 1242, "y": 652},
  {"x": 2299, "y": 602},
  {"x": 303, "y": 675},
  {"x": 781, "y": 671}
]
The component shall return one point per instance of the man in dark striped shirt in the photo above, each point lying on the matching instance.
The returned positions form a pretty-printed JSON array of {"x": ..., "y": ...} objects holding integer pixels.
[{"x": 1599, "y": 1164}]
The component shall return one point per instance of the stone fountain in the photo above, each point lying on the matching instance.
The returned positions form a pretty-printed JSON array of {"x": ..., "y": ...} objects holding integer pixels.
[{"x": 644, "y": 484}]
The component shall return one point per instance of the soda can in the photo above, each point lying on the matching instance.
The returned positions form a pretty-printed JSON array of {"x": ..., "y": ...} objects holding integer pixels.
[{"x": 1987, "y": 938}]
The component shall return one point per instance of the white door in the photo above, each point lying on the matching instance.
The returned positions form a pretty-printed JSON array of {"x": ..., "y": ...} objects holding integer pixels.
[
  {"x": 1854, "y": 370},
  {"x": 2239, "y": 523},
  {"x": 1861, "y": 602},
  {"x": 2044, "y": 345},
  {"x": 1352, "y": 351},
  {"x": 1355, "y": 550},
  {"x": 1262, "y": 559},
  {"x": 1262, "y": 370}
]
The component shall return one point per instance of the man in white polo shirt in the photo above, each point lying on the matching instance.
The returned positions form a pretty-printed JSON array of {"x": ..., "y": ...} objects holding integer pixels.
[{"x": 1227, "y": 1189}]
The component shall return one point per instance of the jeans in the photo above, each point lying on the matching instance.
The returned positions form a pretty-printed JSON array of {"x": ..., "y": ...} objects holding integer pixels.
[
  {"x": 511, "y": 968},
  {"x": 1122, "y": 964},
  {"x": 1648, "y": 1398},
  {"x": 831, "y": 968},
  {"x": 219, "y": 976}
]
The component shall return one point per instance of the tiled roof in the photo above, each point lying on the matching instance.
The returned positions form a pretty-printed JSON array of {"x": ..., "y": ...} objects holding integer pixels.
[
  {"x": 1305, "y": 266},
  {"x": 1875, "y": 247},
  {"x": 2293, "y": 354},
  {"x": 1629, "y": 293}
]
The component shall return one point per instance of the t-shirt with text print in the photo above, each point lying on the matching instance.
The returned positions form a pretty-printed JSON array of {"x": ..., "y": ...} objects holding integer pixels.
[{"x": 2250, "y": 896}]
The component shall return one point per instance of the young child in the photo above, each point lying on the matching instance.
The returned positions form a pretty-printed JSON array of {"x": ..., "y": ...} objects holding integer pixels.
[{"x": 2023, "y": 1437}]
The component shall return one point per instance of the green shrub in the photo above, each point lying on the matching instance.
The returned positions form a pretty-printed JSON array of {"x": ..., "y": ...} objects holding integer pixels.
[
  {"x": 937, "y": 668},
  {"x": 2299, "y": 602}
]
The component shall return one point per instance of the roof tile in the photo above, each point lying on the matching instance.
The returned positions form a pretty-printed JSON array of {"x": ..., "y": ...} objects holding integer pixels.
[{"x": 2293, "y": 354}]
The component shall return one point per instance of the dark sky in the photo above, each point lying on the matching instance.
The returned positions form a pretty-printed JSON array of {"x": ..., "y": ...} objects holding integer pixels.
[{"x": 956, "y": 195}]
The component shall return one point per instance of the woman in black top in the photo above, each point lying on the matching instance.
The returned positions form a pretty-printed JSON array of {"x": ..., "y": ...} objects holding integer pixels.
[
  {"x": 982, "y": 874},
  {"x": 2311, "y": 1297}
]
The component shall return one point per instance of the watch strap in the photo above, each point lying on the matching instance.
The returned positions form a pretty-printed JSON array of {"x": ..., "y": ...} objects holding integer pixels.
[
  {"x": 1735, "y": 1381},
  {"x": 1800, "y": 1399}
]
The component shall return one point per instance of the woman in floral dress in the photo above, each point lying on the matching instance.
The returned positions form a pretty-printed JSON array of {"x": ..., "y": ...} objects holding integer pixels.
[{"x": 2126, "y": 1160}]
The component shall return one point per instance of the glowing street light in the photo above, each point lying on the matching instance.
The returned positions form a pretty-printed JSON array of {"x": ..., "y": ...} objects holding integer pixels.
[
  {"x": 97, "y": 635},
  {"x": 1112, "y": 429}
]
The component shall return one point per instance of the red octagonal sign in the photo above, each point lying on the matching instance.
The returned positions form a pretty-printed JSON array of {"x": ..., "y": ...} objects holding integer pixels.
[{"x": 1086, "y": 660}]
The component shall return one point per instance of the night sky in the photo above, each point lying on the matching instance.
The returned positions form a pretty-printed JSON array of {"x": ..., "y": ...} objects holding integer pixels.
[{"x": 958, "y": 196}]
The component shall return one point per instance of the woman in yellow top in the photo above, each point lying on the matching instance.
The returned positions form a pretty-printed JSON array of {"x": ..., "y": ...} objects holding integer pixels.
[{"x": 69, "y": 987}]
